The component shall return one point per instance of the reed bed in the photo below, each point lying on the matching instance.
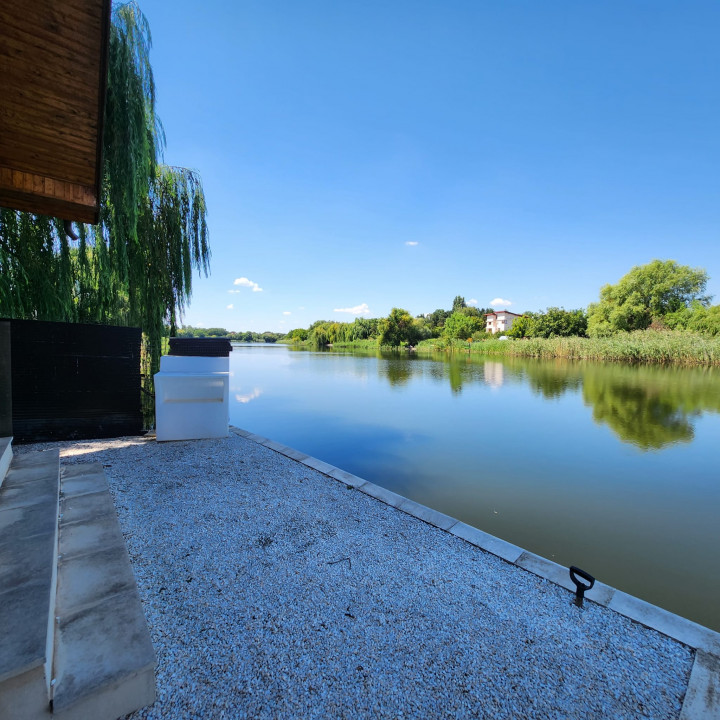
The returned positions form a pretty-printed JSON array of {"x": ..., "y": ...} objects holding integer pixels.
[{"x": 645, "y": 346}]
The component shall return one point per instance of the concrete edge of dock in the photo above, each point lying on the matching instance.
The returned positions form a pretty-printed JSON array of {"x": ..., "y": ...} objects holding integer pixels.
[{"x": 702, "y": 699}]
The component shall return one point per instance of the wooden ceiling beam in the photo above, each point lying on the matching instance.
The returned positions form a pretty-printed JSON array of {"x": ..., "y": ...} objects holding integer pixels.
[{"x": 53, "y": 80}]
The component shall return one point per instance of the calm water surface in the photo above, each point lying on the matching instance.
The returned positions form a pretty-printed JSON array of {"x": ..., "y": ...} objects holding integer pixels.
[{"x": 609, "y": 467}]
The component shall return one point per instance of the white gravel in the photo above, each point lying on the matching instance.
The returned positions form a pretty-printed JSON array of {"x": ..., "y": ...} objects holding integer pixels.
[{"x": 273, "y": 591}]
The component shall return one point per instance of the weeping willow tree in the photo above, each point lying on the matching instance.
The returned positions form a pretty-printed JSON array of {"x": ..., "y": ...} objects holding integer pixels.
[{"x": 136, "y": 266}]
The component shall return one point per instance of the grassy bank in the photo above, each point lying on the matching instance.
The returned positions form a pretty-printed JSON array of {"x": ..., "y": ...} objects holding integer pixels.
[
  {"x": 371, "y": 344},
  {"x": 645, "y": 346}
]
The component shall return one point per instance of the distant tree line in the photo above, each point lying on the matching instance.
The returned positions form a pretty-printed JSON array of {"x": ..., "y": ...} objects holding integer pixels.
[
  {"x": 398, "y": 328},
  {"x": 660, "y": 295},
  {"x": 246, "y": 336},
  {"x": 460, "y": 322}
]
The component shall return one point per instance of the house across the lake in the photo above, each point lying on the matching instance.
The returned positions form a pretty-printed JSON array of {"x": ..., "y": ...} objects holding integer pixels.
[{"x": 500, "y": 321}]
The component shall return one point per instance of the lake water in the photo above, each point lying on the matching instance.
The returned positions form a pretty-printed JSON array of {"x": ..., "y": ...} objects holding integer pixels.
[{"x": 612, "y": 468}]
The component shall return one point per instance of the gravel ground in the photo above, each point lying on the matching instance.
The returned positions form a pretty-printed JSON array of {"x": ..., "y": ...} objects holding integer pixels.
[{"x": 273, "y": 591}]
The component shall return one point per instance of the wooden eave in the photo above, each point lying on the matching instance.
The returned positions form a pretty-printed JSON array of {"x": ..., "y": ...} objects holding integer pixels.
[{"x": 53, "y": 79}]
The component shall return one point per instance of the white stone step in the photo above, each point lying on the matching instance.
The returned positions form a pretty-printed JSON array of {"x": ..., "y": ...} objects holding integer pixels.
[
  {"x": 104, "y": 663},
  {"x": 28, "y": 560}
]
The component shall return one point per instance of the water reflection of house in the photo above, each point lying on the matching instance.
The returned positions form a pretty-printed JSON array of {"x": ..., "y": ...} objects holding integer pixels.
[
  {"x": 500, "y": 321},
  {"x": 494, "y": 373}
]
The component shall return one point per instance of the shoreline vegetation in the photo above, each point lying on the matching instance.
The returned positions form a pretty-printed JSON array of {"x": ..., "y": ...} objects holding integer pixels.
[{"x": 671, "y": 347}]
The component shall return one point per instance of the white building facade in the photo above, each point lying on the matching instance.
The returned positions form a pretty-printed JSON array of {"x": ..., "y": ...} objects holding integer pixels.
[{"x": 500, "y": 321}]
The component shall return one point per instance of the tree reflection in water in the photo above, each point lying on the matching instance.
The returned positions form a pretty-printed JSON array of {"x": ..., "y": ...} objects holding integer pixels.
[{"x": 649, "y": 407}]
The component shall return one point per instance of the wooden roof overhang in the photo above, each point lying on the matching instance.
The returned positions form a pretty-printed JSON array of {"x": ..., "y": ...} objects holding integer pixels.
[{"x": 53, "y": 78}]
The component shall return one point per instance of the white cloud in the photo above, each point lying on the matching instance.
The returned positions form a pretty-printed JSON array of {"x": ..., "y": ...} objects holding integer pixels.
[
  {"x": 361, "y": 309},
  {"x": 499, "y": 301},
  {"x": 412, "y": 243},
  {"x": 234, "y": 292},
  {"x": 244, "y": 282},
  {"x": 472, "y": 301},
  {"x": 229, "y": 307},
  {"x": 287, "y": 312}
]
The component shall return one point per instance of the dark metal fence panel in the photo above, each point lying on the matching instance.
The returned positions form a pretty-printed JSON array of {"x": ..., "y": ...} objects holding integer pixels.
[
  {"x": 5, "y": 381},
  {"x": 73, "y": 381}
]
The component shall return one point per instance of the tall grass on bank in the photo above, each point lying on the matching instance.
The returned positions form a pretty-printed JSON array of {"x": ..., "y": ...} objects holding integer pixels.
[
  {"x": 642, "y": 346},
  {"x": 371, "y": 344}
]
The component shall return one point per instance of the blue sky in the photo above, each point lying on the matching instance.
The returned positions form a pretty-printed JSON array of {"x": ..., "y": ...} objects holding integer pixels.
[{"x": 360, "y": 155}]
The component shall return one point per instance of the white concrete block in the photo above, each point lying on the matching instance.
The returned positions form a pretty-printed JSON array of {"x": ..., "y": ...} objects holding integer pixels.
[
  {"x": 428, "y": 515},
  {"x": 668, "y": 623},
  {"x": 702, "y": 700},
  {"x": 386, "y": 496},
  {"x": 348, "y": 478},
  {"x": 492, "y": 544}
]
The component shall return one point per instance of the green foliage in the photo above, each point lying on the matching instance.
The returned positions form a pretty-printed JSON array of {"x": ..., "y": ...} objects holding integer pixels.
[
  {"x": 133, "y": 135},
  {"x": 422, "y": 329},
  {"x": 435, "y": 321},
  {"x": 705, "y": 320},
  {"x": 172, "y": 241},
  {"x": 297, "y": 336},
  {"x": 323, "y": 333},
  {"x": 242, "y": 336},
  {"x": 553, "y": 322},
  {"x": 481, "y": 335},
  {"x": 363, "y": 329},
  {"x": 646, "y": 292},
  {"x": 522, "y": 327},
  {"x": 398, "y": 328},
  {"x": 696, "y": 318},
  {"x": 473, "y": 312},
  {"x": 460, "y": 326},
  {"x": 190, "y": 331}
]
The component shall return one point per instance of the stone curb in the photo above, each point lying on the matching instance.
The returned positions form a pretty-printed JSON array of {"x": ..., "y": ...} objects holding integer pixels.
[{"x": 702, "y": 699}]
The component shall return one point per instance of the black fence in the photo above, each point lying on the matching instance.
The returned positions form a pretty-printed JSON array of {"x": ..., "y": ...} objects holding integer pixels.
[{"x": 69, "y": 381}]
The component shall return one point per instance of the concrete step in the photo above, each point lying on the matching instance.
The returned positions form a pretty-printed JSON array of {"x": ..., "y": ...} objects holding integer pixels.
[
  {"x": 104, "y": 664},
  {"x": 5, "y": 456},
  {"x": 28, "y": 561}
]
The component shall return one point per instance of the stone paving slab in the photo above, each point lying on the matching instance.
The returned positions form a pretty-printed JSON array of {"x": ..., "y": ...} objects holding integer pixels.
[
  {"x": 101, "y": 646},
  {"x": 24, "y": 619},
  {"x": 24, "y": 560},
  {"x": 28, "y": 542},
  {"x": 83, "y": 479},
  {"x": 93, "y": 535},
  {"x": 86, "y": 506},
  {"x": 31, "y": 481},
  {"x": 93, "y": 576}
]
